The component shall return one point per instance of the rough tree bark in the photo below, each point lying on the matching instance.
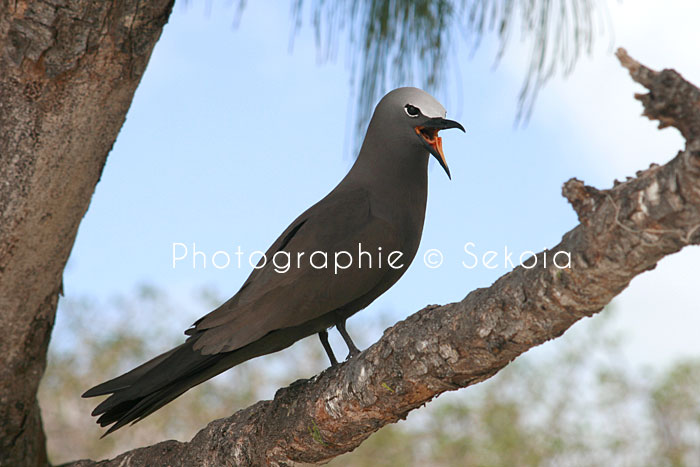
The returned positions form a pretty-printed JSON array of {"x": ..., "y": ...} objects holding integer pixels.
[
  {"x": 623, "y": 232},
  {"x": 68, "y": 72}
]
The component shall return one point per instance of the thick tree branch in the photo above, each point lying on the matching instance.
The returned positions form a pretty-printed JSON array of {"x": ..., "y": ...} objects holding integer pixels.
[
  {"x": 623, "y": 232},
  {"x": 68, "y": 72}
]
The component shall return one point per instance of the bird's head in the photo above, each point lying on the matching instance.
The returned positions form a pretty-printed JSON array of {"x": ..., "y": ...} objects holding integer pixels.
[{"x": 420, "y": 115}]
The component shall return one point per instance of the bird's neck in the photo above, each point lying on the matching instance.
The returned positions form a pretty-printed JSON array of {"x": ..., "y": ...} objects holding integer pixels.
[
  {"x": 394, "y": 170},
  {"x": 397, "y": 184}
]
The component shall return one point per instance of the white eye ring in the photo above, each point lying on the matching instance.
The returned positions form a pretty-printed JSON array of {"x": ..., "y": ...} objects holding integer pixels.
[{"x": 412, "y": 111}]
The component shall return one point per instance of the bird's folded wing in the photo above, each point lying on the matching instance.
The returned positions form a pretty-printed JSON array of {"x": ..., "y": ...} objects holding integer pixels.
[{"x": 337, "y": 229}]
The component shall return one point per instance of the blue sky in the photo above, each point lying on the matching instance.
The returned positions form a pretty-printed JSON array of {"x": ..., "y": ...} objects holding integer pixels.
[{"x": 230, "y": 136}]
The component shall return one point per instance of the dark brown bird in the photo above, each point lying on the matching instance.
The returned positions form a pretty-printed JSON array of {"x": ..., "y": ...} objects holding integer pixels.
[{"x": 368, "y": 227}]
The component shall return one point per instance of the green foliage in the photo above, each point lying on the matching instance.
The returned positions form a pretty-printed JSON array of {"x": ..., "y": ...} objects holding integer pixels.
[
  {"x": 574, "y": 401},
  {"x": 394, "y": 42},
  {"x": 675, "y": 408}
]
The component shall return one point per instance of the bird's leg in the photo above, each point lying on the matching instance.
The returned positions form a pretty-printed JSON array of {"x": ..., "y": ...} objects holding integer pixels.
[
  {"x": 346, "y": 337},
  {"x": 323, "y": 335}
]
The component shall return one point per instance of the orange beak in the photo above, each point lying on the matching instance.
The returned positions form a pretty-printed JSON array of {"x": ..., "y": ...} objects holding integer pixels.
[
  {"x": 430, "y": 136},
  {"x": 428, "y": 133}
]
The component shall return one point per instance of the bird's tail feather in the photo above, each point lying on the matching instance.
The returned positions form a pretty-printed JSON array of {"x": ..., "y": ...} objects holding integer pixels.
[
  {"x": 143, "y": 390},
  {"x": 129, "y": 378},
  {"x": 146, "y": 388}
]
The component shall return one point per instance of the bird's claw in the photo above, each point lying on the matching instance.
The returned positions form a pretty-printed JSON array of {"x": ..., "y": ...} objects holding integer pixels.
[{"x": 353, "y": 352}]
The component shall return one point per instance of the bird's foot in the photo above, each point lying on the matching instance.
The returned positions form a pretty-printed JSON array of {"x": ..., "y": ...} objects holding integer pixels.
[
  {"x": 346, "y": 337},
  {"x": 354, "y": 351}
]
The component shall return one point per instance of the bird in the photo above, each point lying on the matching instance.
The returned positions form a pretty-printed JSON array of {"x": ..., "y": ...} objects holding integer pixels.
[{"x": 369, "y": 227}]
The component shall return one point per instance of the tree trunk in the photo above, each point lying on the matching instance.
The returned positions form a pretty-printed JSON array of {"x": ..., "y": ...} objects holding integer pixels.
[{"x": 68, "y": 72}]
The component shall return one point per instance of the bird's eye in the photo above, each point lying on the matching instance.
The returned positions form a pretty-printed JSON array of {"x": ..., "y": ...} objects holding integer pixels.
[{"x": 412, "y": 111}]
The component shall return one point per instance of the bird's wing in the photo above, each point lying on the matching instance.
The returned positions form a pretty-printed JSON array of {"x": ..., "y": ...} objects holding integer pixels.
[{"x": 271, "y": 300}]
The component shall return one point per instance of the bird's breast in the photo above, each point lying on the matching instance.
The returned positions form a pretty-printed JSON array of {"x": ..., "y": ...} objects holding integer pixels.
[{"x": 406, "y": 215}]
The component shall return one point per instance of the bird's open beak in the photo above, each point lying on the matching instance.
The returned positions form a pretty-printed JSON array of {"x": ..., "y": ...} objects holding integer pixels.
[{"x": 428, "y": 133}]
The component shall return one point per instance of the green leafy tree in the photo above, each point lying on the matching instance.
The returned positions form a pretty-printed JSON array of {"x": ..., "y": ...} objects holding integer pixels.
[{"x": 393, "y": 42}]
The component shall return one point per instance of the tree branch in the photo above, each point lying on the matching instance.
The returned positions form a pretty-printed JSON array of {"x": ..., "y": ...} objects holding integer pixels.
[
  {"x": 623, "y": 232},
  {"x": 68, "y": 72}
]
